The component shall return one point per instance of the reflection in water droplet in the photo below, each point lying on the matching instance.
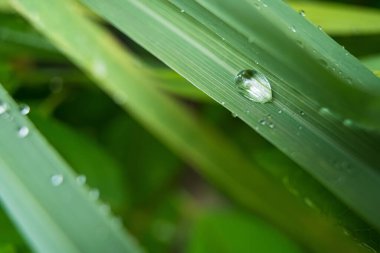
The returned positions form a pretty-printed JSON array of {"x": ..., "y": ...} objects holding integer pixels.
[
  {"x": 24, "y": 109},
  {"x": 81, "y": 179},
  {"x": 56, "y": 179},
  {"x": 23, "y": 132},
  {"x": 254, "y": 86}
]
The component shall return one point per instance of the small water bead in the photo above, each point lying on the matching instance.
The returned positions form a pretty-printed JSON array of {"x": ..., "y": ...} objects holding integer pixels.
[
  {"x": 81, "y": 179},
  {"x": 94, "y": 194},
  {"x": 106, "y": 209},
  {"x": 182, "y": 11},
  {"x": 348, "y": 122},
  {"x": 302, "y": 113},
  {"x": 293, "y": 29},
  {"x": 320, "y": 28},
  {"x": 24, "y": 109},
  {"x": 234, "y": 115},
  {"x": 23, "y": 132},
  {"x": 302, "y": 13},
  {"x": 254, "y": 86},
  {"x": 279, "y": 111},
  {"x": 3, "y": 108},
  {"x": 56, "y": 180},
  {"x": 324, "y": 111}
]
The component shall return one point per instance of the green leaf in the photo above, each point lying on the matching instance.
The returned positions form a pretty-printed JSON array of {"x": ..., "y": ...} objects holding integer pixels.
[
  {"x": 132, "y": 86},
  {"x": 232, "y": 231},
  {"x": 209, "y": 42},
  {"x": 340, "y": 19},
  {"x": 40, "y": 193},
  {"x": 88, "y": 159}
]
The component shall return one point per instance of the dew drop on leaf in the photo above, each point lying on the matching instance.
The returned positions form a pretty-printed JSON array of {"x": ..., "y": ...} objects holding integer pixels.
[
  {"x": 81, "y": 179},
  {"x": 24, "y": 109},
  {"x": 3, "y": 108},
  {"x": 23, "y": 132},
  {"x": 94, "y": 194},
  {"x": 56, "y": 180},
  {"x": 254, "y": 86}
]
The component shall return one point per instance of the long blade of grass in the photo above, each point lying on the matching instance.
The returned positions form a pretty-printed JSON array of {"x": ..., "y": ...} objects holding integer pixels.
[
  {"x": 340, "y": 19},
  {"x": 40, "y": 193},
  {"x": 132, "y": 86},
  {"x": 217, "y": 39}
]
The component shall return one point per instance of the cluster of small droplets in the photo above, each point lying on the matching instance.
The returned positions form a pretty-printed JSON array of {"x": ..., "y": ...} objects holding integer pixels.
[{"x": 267, "y": 121}]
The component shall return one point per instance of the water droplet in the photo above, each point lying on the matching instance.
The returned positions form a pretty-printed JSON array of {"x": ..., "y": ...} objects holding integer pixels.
[
  {"x": 23, "y": 132},
  {"x": 302, "y": 113},
  {"x": 293, "y": 28},
  {"x": 234, "y": 115},
  {"x": 279, "y": 111},
  {"x": 302, "y": 13},
  {"x": 94, "y": 194},
  {"x": 323, "y": 63},
  {"x": 182, "y": 11},
  {"x": 348, "y": 122},
  {"x": 24, "y": 109},
  {"x": 223, "y": 103},
  {"x": 320, "y": 28},
  {"x": 56, "y": 180},
  {"x": 3, "y": 108},
  {"x": 300, "y": 44},
  {"x": 263, "y": 122},
  {"x": 271, "y": 125},
  {"x": 106, "y": 209},
  {"x": 81, "y": 179},
  {"x": 254, "y": 86},
  {"x": 325, "y": 111}
]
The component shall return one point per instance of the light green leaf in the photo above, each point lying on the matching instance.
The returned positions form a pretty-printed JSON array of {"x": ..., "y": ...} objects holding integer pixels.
[
  {"x": 340, "y": 19},
  {"x": 88, "y": 159},
  {"x": 40, "y": 193}
]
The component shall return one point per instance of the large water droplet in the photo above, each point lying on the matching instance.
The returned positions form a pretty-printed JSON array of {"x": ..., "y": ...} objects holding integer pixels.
[
  {"x": 23, "y": 132},
  {"x": 56, "y": 180},
  {"x": 254, "y": 86}
]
